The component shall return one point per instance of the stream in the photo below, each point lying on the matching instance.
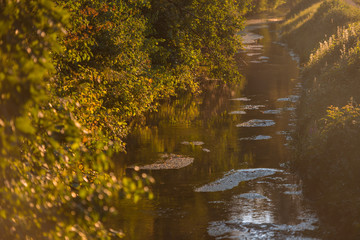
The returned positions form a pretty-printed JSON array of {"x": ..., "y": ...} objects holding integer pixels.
[{"x": 220, "y": 159}]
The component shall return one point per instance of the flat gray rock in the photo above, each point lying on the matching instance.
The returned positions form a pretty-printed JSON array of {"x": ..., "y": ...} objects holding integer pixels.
[
  {"x": 168, "y": 161},
  {"x": 251, "y": 196},
  {"x": 206, "y": 150},
  {"x": 194, "y": 143},
  {"x": 263, "y": 58},
  {"x": 257, "y": 123},
  {"x": 237, "y": 113},
  {"x": 242, "y": 99},
  {"x": 293, "y": 192},
  {"x": 275, "y": 111},
  {"x": 234, "y": 177},
  {"x": 291, "y": 98},
  {"x": 256, "y": 138},
  {"x": 253, "y": 107}
]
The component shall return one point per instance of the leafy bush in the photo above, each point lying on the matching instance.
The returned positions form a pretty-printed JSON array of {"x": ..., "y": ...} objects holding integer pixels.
[
  {"x": 329, "y": 163},
  {"x": 73, "y": 75},
  {"x": 54, "y": 185}
]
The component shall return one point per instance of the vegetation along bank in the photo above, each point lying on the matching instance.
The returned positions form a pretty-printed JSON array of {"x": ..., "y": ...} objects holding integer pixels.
[
  {"x": 326, "y": 35},
  {"x": 73, "y": 76}
]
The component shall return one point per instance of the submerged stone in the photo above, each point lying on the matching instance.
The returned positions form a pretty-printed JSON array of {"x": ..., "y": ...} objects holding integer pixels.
[
  {"x": 283, "y": 99},
  {"x": 206, "y": 150},
  {"x": 253, "y": 107},
  {"x": 250, "y": 37},
  {"x": 234, "y": 177},
  {"x": 253, "y": 47},
  {"x": 242, "y": 99},
  {"x": 288, "y": 185},
  {"x": 291, "y": 98},
  {"x": 195, "y": 143},
  {"x": 251, "y": 196},
  {"x": 294, "y": 56},
  {"x": 237, "y": 113},
  {"x": 257, "y": 123},
  {"x": 293, "y": 192},
  {"x": 253, "y": 54},
  {"x": 168, "y": 161},
  {"x": 280, "y": 44},
  {"x": 265, "y": 228},
  {"x": 291, "y": 109},
  {"x": 263, "y": 58},
  {"x": 275, "y": 111},
  {"x": 256, "y": 138}
]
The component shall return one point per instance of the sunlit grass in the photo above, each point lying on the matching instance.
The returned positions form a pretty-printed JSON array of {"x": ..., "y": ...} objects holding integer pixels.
[
  {"x": 327, "y": 36},
  {"x": 295, "y": 22},
  {"x": 312, "y": 24},
  {"x": 342, "y": 45}
]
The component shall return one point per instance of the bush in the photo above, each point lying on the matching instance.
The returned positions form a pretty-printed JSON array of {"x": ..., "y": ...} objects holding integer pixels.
[{"x": 73, "y": 75}]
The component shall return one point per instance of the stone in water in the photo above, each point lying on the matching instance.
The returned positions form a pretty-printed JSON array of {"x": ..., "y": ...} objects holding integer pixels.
[
  {"x": 257, "y": 123},
  {"x": 234, "y": 177},
  {"x": 168, "y": 161},
  {"x": 256, "y": 138}
]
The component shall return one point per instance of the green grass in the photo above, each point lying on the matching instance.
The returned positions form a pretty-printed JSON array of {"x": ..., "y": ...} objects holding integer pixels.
[
  {"x": 297, "y": 20},
  {"x": 314, "y": 22},
  {"x": 326, "y": 35}
]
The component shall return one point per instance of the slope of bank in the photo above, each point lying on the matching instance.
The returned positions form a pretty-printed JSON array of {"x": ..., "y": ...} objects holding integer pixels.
[{"x": 326, "y": 34}]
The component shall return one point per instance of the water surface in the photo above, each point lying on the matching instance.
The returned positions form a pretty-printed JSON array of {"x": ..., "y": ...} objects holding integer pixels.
[{"x": 237, "y": 186}]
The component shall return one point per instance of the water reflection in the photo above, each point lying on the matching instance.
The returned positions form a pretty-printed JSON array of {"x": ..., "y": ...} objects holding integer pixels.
[
  {"x": 264, "y": 214},
  {"x": 210, "y": 129}
]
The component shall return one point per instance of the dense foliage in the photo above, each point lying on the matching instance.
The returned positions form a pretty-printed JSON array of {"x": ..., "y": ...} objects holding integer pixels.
[
  {"x": 73, "y": 75},
  {"x": 120, "y": 57}
]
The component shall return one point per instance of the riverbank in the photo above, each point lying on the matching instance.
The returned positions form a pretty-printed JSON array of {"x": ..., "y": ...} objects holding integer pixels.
[{"x": 326, "y": 35}]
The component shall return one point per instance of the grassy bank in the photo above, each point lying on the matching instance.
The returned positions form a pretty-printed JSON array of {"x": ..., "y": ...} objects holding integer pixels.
[{"x": 326, "y": 34}]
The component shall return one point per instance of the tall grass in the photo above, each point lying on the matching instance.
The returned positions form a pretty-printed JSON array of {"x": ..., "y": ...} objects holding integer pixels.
[
  {"x": 313, "y": 21},
  {"x": 326, "y": 34}
]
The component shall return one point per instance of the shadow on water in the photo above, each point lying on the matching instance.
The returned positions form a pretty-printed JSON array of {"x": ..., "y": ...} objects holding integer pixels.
[{"x": 224, "y": 130}]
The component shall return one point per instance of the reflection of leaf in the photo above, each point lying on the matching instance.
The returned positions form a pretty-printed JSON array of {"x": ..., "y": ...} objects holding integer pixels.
[{"x": 23, "y": 124}]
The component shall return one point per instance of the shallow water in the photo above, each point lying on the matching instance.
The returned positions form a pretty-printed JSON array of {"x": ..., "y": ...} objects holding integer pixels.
[{"x": 237, "y": 186}]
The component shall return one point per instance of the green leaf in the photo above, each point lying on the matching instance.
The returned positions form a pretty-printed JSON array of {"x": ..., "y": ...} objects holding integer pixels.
[
  {"x": 83, "y": 193},
  {"x": 24, "y": 125}
]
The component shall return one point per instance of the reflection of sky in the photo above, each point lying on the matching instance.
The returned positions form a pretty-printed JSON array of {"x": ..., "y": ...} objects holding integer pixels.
[
  {"x": 257, "y": 211},
  {"x": 257, "y": 217},
  {"x": 249, "y": 38},
  {"x": 255, "y": 214}
]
